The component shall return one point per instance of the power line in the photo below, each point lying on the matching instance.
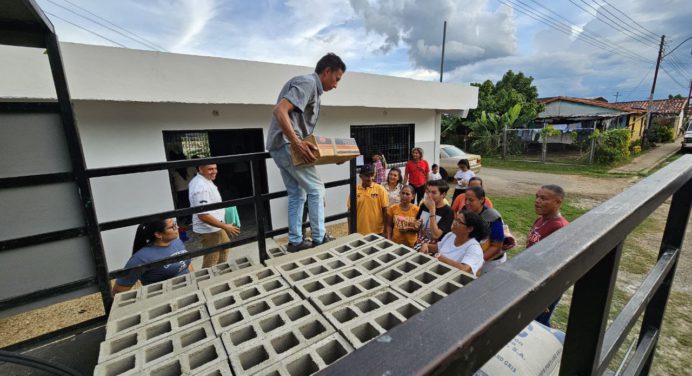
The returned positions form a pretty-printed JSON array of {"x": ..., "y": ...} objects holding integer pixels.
[
  {"x": 567, "y": 29},
  {"x": 154, "y": 45},
  {"x": 85, "y": 29},
  {"x": 673, "y": 78},
  {"x": 630, "y": 18},
  {"x": 614, "y": 25},
  {"x": 629, "y": 93},
  {"x": 639, "y": 33},
  {"x": 98, "y": 23}
]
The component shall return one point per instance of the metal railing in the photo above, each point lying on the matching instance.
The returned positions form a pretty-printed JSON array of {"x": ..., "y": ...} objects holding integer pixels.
[{"x": 460, "y": 333}]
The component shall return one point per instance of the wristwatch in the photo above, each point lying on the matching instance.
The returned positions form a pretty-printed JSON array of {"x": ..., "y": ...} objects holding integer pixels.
[{"x": 437, "y": 255}]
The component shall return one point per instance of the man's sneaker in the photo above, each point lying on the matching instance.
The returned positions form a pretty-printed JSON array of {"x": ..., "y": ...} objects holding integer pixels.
[
  {"x": 298, "y": 247},
  {"x": 327, "y": 238}
]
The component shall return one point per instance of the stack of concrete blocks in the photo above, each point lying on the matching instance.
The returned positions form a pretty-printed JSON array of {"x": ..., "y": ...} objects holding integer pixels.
[{"x": 295, "y": 316}]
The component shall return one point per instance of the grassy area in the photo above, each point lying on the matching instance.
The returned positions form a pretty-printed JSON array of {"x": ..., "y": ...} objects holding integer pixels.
[
  {"x": 639, "y": 256},
  {"x": 553, "y": 168}
]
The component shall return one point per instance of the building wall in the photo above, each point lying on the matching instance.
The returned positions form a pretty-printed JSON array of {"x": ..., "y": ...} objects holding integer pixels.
[
  {"x": 636, "y": 124},
  {"x": 120, "y": 133},
  {"x": 566, "y": 109}
]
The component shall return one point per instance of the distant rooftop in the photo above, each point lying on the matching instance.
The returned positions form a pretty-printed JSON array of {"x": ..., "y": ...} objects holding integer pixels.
[{"x": 662, "y": 106}]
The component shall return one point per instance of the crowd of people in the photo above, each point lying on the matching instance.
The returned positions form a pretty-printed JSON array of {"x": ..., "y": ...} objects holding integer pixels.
[{"x": 469, "y": 234}]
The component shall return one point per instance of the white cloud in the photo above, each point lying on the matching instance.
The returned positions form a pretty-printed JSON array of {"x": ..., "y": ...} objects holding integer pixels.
[{"x": 196, "y": 14}]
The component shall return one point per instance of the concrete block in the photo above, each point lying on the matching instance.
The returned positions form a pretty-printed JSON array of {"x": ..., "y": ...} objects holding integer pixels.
[
  {"x": 328, "y": 264},
  {"x": 382, "y": 260},
  {"x": 304, "y": 261},
  {"x": 141, "y": 302},
  {"x": 250, "y": 356},
  {"x": 436, "y": 291},
  {"x": 311, "y": 359},
  {"x": 428, "y": 277},
  {"x": 223, "y": 296},
  {"x": 154, "y": 331},
  {"x": 155, "y": 352},
  {"x": 363, "y": 330},
  {"x": 377, "y": 244},
  {"x": 259, "y": 312},
  {"x": 262, "y": 303},
  {"x": 359, "y": 308},
  {"x": 232, "y": 265},
  {"x": 412, "y": 264},
  {"x": 205, "y": 359},
  {"x": 153, "y": 313},
  {"x": 461, "y": 277},
  {"x": 313, "y": 251},
  {"x": 337, "y": 296},
  {"x": 335, "y": 279},
  {"x": 242, "y": 278},
  {"x": 276, "y": 252}
]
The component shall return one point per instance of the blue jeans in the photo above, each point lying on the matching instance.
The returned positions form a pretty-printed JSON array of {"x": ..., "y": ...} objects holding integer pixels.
[{"x": 301, "y": 181}]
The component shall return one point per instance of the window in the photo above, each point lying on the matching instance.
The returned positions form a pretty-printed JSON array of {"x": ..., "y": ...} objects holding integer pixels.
[{"x": 394, "y": 141}]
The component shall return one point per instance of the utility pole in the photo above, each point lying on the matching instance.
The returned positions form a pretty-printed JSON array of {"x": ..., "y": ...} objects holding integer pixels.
[
  {"x": 653, "y": 88},
  {"x": 687, "y": 104},
  {"x": 444, "y": 38},
  {"x": 617, "y": 94}
]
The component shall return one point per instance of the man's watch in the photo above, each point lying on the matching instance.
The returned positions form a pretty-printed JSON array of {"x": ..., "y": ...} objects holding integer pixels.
[{"x": 437, "y": 255}]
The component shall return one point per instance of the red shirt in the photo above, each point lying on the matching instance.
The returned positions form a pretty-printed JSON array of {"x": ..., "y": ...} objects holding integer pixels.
[
  {"x": 417, "y": 172},
  {"x": 542, "y": 228}
]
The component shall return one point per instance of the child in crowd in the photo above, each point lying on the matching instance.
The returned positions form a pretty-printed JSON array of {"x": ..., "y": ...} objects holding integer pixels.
[
  {"x": 380, "y": 166},
  {"x": 401, "y": 219},
  {"x": 463, "y": 176},
  {"x": 435, "y": 173},
  {"x": 416, "y": 173}
]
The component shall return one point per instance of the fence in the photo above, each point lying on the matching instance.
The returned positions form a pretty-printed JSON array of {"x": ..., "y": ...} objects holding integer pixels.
[{"x": 573, "y": 147}]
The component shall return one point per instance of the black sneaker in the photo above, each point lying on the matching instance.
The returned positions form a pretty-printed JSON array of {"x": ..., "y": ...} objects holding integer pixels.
[
  {"x": 298, "y": 247},
  {"x": 327, "y": 238}
]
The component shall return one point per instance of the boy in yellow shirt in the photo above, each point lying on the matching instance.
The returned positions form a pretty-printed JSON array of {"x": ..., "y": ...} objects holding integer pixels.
[{"x": 371, "y": 203}]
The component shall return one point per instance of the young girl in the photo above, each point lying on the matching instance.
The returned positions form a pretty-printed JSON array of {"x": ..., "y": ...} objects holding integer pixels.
[
  {"x": 435, "y": 173},
  {"x": 401, "y": 219},
  {"x": 380, "y": 166},
  {"x": 154, "y": 241},
  {"x": 416, "y": 172},
  {"x": 393, "y": 185},
  {"x": 463, "y": 176}
]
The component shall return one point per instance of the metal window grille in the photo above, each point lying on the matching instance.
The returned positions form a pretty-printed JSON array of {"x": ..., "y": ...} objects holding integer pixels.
[
  {"x": 189, "y": 143},
  {"x": 394, "y": 141}
]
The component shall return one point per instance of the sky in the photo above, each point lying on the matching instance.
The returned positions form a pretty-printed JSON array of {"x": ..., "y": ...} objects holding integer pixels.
[{"x": 580, "y": 48}]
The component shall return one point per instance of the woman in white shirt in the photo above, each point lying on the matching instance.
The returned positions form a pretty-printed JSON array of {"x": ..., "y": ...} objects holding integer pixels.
[
  {"x": 460, "y": 247},
  {"x": 463, "y": 176}
]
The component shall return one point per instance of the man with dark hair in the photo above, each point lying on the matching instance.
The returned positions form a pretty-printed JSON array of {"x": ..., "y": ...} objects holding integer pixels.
[
  {"x": 372, "y": 202},
  {"x": 547, "y": 206},
  {"x": 295, "y": 117},
  {"x": 434, "y": 217}
]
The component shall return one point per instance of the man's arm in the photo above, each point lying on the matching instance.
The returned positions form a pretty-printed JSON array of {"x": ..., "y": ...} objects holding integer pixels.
[
  {"x": 212, "y": 221},
  {"x": 281, "y": 113}
]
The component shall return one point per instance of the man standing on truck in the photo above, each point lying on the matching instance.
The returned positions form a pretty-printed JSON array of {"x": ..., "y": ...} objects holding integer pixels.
[{"x": 295, "y": 117}]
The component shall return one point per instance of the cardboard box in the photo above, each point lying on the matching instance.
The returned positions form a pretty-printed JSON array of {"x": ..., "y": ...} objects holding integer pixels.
[{"x": 329, "y": 150}]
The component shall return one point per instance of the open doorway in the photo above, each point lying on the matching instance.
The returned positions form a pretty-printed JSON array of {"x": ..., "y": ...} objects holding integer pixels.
[{"x": 233, "y": 179}]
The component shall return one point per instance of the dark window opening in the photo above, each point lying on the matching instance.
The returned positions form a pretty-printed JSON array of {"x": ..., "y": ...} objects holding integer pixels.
[
  {"x": 233, "y": 179},
  {"x": 394, "y": 141}
]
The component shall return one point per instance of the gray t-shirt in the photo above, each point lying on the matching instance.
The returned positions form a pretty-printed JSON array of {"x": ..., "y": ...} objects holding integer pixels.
[{"x": 304, "y": 93}]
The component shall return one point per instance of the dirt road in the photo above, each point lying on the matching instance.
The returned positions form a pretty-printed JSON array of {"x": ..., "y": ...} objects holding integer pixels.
[{"x": 515, "y": 183}]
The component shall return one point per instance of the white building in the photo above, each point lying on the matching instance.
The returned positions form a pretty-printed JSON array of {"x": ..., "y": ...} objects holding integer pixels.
[{"x": 136, "y": 106}]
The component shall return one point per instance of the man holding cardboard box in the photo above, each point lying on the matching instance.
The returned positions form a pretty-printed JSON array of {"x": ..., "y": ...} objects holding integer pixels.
[{"x": 295, "y": 118}]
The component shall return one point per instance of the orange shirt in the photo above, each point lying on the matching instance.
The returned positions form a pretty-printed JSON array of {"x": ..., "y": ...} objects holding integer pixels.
[
  {"x": 460, "y": 201},
  {"x": 401, "y": 219}
]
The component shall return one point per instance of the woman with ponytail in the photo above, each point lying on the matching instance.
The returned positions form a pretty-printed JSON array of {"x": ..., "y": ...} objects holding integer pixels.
[{"x": 154, "y": 241}]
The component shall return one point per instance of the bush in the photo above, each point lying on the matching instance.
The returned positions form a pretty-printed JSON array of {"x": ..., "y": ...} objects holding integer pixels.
[
  {"x": 636, "y": 146},
  {"x": 611, "y": 146},
  {"x": 661, "y": 133}
]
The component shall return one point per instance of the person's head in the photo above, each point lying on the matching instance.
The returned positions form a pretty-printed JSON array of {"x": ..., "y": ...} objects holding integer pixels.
[
  {"x": 437, "y": 189},
  {"x": 367, "y": 174},
  {"x": 475, "y": 199},
  {"x": 475, "y": 182},
  {"x": 435, "y": 168},
  {"x": 416, "y": 153},
  {"x": 406, "y": 194},
  {"x": 548, "y": 200},
  {"x": 330, "y": 68},
  {"x": 463, "y": 164},
  {"x": 394, "y": 176},
  {"x": 208, "y": 171},
  {"x": 376, "y": 156},
  {"x": 469, "y": 224},
  {"x": 159, "y": 232}
]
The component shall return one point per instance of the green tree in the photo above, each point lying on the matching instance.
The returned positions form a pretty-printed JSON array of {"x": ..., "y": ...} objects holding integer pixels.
[
  {"x": 487, "y": 130},
  {"x": 500, "y": 98},
  {"x": 676, "y": 96}
]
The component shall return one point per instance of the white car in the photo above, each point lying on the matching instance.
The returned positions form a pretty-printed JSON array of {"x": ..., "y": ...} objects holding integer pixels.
[
  {"x": 450, "y": 156},
  {"x": 687, "y": 140}
]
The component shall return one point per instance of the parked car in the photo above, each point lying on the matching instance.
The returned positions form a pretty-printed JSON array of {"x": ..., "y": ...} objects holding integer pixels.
[
  {"x": 450, "y": 156},
  {"x": 687, "y": 140}
]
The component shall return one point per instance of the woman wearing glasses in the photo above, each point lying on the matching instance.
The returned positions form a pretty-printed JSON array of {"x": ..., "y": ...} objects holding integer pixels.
[
  {"x": 460, "y": 248},
  {"x": 154, "y": 241}
]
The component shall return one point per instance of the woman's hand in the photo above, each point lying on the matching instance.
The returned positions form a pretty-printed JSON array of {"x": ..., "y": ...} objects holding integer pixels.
[{"x": 424, "y": 248}]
